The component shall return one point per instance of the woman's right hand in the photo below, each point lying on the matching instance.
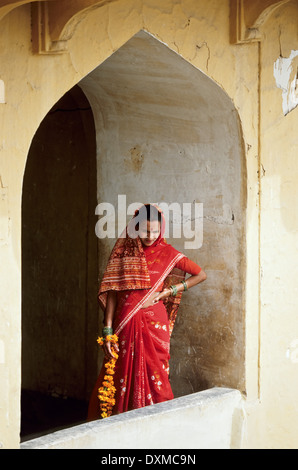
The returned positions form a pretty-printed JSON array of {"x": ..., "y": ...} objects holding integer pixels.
[
  {"x": 150, "y": 301},
  {"x": 156, "y": 297},
  {"x": 107, "y": 349}
]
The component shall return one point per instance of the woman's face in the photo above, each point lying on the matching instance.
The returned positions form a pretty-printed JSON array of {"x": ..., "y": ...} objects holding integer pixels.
[{"x": 149, "y": 232}]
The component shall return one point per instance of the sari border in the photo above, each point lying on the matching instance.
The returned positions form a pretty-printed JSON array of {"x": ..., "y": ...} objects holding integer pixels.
[{"x": 137, "y": 307}]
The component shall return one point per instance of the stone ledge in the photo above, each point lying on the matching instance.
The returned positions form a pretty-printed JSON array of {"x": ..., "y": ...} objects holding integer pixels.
[{"x": 203, "y": 420}]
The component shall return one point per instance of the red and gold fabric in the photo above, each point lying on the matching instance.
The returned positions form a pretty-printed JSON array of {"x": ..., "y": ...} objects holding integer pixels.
[{"x": 141, "y": 375}]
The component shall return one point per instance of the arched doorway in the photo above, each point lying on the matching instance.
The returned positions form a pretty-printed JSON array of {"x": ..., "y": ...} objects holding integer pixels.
[
  {"x": 167, "y": 132},
  {"x": 164, "y": 131},
  {"x": 59, "y": 268}
]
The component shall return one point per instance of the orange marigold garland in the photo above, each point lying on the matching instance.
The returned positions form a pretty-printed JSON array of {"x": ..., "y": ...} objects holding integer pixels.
[{"x": 106, "y": 393}]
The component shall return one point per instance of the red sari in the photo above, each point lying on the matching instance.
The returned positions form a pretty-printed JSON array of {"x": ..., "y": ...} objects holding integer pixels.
[{"x": 142, "y": 370}]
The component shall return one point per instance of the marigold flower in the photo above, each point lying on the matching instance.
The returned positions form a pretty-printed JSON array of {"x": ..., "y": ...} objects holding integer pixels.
[{"x": 106, "y": 392}]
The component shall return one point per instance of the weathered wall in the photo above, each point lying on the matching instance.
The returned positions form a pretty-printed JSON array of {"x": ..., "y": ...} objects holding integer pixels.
[
  {"x": 39, "y": 85},
  {"x": 199, "y": 32},
  {"x": 279, "y": 227}
]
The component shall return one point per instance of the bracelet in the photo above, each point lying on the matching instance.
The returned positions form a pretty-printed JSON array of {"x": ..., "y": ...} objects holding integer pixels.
[
  {"x": 174, "y": 290},
  {"x": 107, "y": 330},
  {"x": 184, "y": 285}
]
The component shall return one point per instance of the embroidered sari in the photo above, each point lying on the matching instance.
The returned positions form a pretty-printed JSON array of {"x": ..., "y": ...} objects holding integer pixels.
[{"x": 142, "y": 370}]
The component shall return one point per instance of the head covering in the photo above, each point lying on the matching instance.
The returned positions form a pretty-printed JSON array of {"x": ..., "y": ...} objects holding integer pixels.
[{"x": 127, "y": 267}]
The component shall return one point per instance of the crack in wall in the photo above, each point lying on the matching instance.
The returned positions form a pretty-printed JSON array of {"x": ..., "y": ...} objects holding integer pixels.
[{"x": 199, "y": 47}]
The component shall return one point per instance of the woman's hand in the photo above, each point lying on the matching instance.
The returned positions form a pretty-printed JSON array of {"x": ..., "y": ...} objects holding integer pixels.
[
  {"x": 156, "y": 297},
  {"x": 191, "y": 281},
  {"x": 161, "y": 295},
  {"x": 107, "y": 349}
]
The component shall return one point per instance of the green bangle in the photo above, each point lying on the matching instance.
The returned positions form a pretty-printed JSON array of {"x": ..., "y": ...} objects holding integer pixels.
[
  {"x": 184, "y": 285},
  {"x": 107, "y": 330},
  {"x": 174, "y": 290}
]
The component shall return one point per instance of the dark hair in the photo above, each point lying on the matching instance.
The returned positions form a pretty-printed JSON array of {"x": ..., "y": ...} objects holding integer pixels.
[{"x": 148, "y": 212}]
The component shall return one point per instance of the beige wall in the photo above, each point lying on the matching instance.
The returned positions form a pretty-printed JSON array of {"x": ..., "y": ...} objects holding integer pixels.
[
  {"x": 199, "y": 32},
  {"x": 279, "y": 226}
]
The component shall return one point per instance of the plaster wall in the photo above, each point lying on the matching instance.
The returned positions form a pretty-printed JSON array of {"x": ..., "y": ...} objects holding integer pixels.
[
  {"x": 279, "y": 227},
  {"x": 199, "y": 32}
]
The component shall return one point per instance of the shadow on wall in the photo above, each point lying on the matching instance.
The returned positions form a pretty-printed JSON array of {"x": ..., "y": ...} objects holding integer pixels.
[
  {"x": 59, "y": 266},
  {"x": 43, "y": 414}
]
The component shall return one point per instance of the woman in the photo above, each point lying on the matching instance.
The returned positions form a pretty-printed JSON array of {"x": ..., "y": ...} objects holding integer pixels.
[{"x": 140, "y": 295}]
